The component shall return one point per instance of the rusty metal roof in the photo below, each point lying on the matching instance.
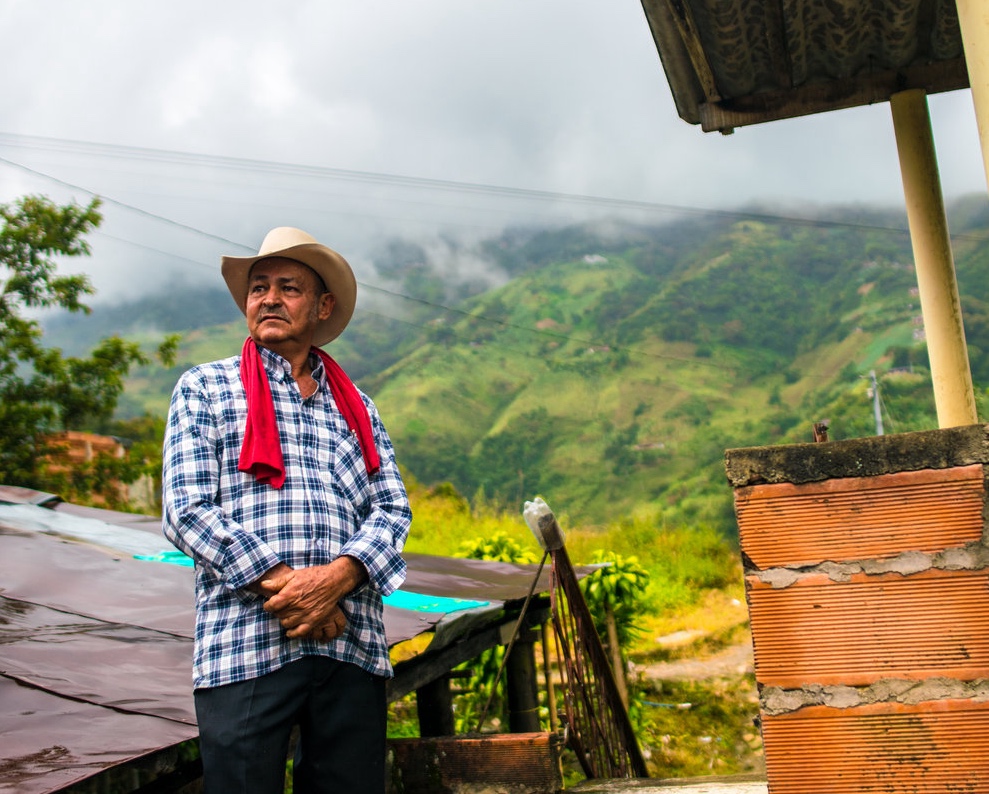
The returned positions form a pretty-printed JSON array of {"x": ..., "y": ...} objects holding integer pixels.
[
  {"x": 96, "y": 635},
  {"x": 731, "y": 63}
]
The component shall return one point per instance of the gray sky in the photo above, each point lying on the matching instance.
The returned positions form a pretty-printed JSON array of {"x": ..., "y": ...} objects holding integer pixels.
[{"x": 545, "y": 95}]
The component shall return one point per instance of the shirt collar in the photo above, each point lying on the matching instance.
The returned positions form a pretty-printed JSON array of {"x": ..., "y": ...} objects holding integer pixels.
[
  {"x": 274, "y": 364},
  {"x": 279, "y": 367}
]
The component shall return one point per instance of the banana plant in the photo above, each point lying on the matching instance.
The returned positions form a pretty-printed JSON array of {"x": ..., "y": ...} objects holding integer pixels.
[{"x": 619, "y": 588}]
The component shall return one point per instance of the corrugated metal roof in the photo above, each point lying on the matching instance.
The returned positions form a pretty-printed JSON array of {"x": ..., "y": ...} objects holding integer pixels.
[
  {"x": 96, "y": 640},
  {"x": 735, "y": 62}
]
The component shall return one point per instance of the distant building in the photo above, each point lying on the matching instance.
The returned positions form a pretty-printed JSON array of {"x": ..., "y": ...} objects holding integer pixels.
[{"x": 72, "y": 448}]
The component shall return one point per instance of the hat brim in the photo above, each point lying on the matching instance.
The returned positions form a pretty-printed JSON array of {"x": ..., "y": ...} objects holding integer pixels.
[{"x": 328, "y": 265}]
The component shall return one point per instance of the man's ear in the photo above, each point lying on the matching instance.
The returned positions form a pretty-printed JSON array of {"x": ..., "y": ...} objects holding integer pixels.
[{"x": 326, "y": 304}]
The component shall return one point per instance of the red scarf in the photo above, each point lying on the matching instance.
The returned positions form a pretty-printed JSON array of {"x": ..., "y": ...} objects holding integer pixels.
[{"x": 261, "y": 452}]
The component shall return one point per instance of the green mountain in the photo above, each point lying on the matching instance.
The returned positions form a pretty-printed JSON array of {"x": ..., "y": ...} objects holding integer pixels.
[
  {"x": 617, "y": 362},
  {"x": 614, "y": 380}
]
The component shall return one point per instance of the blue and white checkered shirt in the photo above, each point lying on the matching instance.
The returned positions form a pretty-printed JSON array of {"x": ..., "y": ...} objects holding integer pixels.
[{"x": 237, "y": 529}]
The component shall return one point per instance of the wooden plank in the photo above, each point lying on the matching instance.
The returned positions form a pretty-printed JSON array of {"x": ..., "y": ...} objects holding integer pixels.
[
  {"x": 415, "y": 673},
  {"x": 526, "y": 762}
]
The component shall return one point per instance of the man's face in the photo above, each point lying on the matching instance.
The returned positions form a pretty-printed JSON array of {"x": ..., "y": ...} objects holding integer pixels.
[{"x": 285, "y": 301}]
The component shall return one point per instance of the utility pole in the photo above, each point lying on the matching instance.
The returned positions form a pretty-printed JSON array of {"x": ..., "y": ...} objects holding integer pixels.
[{"x": 876, "y": 405}]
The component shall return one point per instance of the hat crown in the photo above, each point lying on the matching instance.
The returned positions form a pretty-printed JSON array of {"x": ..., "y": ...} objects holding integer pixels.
[
  {"x": 295, "y": 244},
  {"x": 283, "y": 237}
]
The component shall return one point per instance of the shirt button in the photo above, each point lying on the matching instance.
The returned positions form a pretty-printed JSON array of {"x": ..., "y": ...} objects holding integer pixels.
[{"x": 319, "y": 542}]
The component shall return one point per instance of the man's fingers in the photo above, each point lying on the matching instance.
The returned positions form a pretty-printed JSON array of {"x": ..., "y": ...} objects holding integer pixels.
[
  {"x": 303, "y": 616},
  {"x": 322, "y": 633},
  {"x": 329, "y": 631},
  {"x": 300, "y": 631},
  {"x": 332, "y": 628},
  {"x": 336, "y": 625},
  {"x": 298, "y": 624},
  {"x": 275, "y": 584},
  {"x": 275, "y": 603},
  {"x": 292, "y": 620}
]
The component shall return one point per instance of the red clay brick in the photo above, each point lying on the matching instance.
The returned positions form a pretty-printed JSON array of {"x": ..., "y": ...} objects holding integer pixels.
[
  {"x": 931, "y": 747},
  {"x": 817, "y": 631},
  {"x": 857, "y": 518}
]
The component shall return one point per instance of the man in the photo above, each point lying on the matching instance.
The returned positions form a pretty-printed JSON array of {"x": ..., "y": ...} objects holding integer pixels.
[{"x": 280, "y": 481}]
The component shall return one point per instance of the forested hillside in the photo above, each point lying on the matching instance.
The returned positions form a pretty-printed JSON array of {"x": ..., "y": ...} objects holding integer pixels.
[{"x": 617, "y": 362}]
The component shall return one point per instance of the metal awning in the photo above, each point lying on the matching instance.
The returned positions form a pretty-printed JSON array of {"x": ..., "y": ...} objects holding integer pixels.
[
  {"x": 731, "y": 63},
  {"x": 736, "y": 62}
]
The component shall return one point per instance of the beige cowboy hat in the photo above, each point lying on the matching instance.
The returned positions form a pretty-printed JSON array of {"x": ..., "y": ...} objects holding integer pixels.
[{"x": 291, "y": 243}]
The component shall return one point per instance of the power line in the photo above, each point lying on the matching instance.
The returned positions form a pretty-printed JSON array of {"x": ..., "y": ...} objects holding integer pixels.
[
  {"x": 372, "y": 287},
  {"x": 124, "y": 204},
  {"x": 154, "y": 250},
  {"x": 400, "y": 180},
  {"x": 162, "y": 155}
]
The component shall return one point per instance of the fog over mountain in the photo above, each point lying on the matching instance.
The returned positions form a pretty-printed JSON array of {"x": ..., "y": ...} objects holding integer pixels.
[{"x": 202, "y": 126}]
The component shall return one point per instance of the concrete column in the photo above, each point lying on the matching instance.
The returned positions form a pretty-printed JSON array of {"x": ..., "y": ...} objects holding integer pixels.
[
  {"x": 973, "y": 19},
  {"x": 950, "y": 371}
]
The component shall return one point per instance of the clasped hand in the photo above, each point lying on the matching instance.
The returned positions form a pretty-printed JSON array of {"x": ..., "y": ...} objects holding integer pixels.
[{"x": 306, "y": 600}]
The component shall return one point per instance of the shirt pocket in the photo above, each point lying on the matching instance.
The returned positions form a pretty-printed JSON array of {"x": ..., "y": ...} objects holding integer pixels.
[{"x": 349, "y": 475}]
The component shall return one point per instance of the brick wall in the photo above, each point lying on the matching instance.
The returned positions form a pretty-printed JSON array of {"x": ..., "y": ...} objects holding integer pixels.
[{"x": 867, "y": 582}]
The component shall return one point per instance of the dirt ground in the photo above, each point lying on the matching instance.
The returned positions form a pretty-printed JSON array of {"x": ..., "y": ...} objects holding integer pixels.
[
  {"x": 733, "y": 660},
  {"x": 714, "y": 729}
]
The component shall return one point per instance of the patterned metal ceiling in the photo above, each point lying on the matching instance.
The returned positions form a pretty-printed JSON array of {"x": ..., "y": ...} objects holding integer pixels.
[{"x": 736, "y": 62}]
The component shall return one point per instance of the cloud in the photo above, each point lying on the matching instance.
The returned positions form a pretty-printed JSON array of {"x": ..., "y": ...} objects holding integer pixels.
[{"x": 556, "y": 96}]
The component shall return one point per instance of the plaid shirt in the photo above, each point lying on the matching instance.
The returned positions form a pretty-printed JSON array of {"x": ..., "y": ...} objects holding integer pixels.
[{"x": 237, "y": 529}]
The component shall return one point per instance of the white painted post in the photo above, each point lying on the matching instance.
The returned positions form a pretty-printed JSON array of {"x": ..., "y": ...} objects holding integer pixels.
[{"x": 941, "y": 307}]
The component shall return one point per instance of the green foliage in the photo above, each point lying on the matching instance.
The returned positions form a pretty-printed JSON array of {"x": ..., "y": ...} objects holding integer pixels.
[
  {"x": 168, "y": 311},
  {"x": 512, "y": 464},
  {"x": 41, "y": 390},
  {"x": 483, "y": 671},
  {"x": 711, "y": 349},
  {"x": 498, "y": 547},
  {"x": 768, "y": 291},
  {"x": 907, "y": 404},
  {"x": 976, "y": 314},
  {"x": 698, "y": 728},
  {"x": 144, "y": 436},
  {"x": 617, "y": 590},
  {"x": 681, "y": 560},
  {"x": 99, "y": 477},
  {"x": 660, "y": 566},
  {"x": 444, "y": 519}
]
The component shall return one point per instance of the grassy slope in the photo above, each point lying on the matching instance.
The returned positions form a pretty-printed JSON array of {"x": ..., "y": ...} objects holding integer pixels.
[
  {"x": 668, "y": 413},
  {"x": 612, "y": 384}
]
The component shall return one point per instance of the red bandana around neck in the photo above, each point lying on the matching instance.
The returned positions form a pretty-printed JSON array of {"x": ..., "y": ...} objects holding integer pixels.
[{"x": 261, "y": 451}]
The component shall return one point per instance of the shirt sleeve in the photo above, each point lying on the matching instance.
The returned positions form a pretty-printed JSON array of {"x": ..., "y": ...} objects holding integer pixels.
[
  {"x": 192, "y": 520},
  {"x": 379, "y": 542}
]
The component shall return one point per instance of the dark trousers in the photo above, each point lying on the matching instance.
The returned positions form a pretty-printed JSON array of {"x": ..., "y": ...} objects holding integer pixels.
[{"x": 341, "y": 711}]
